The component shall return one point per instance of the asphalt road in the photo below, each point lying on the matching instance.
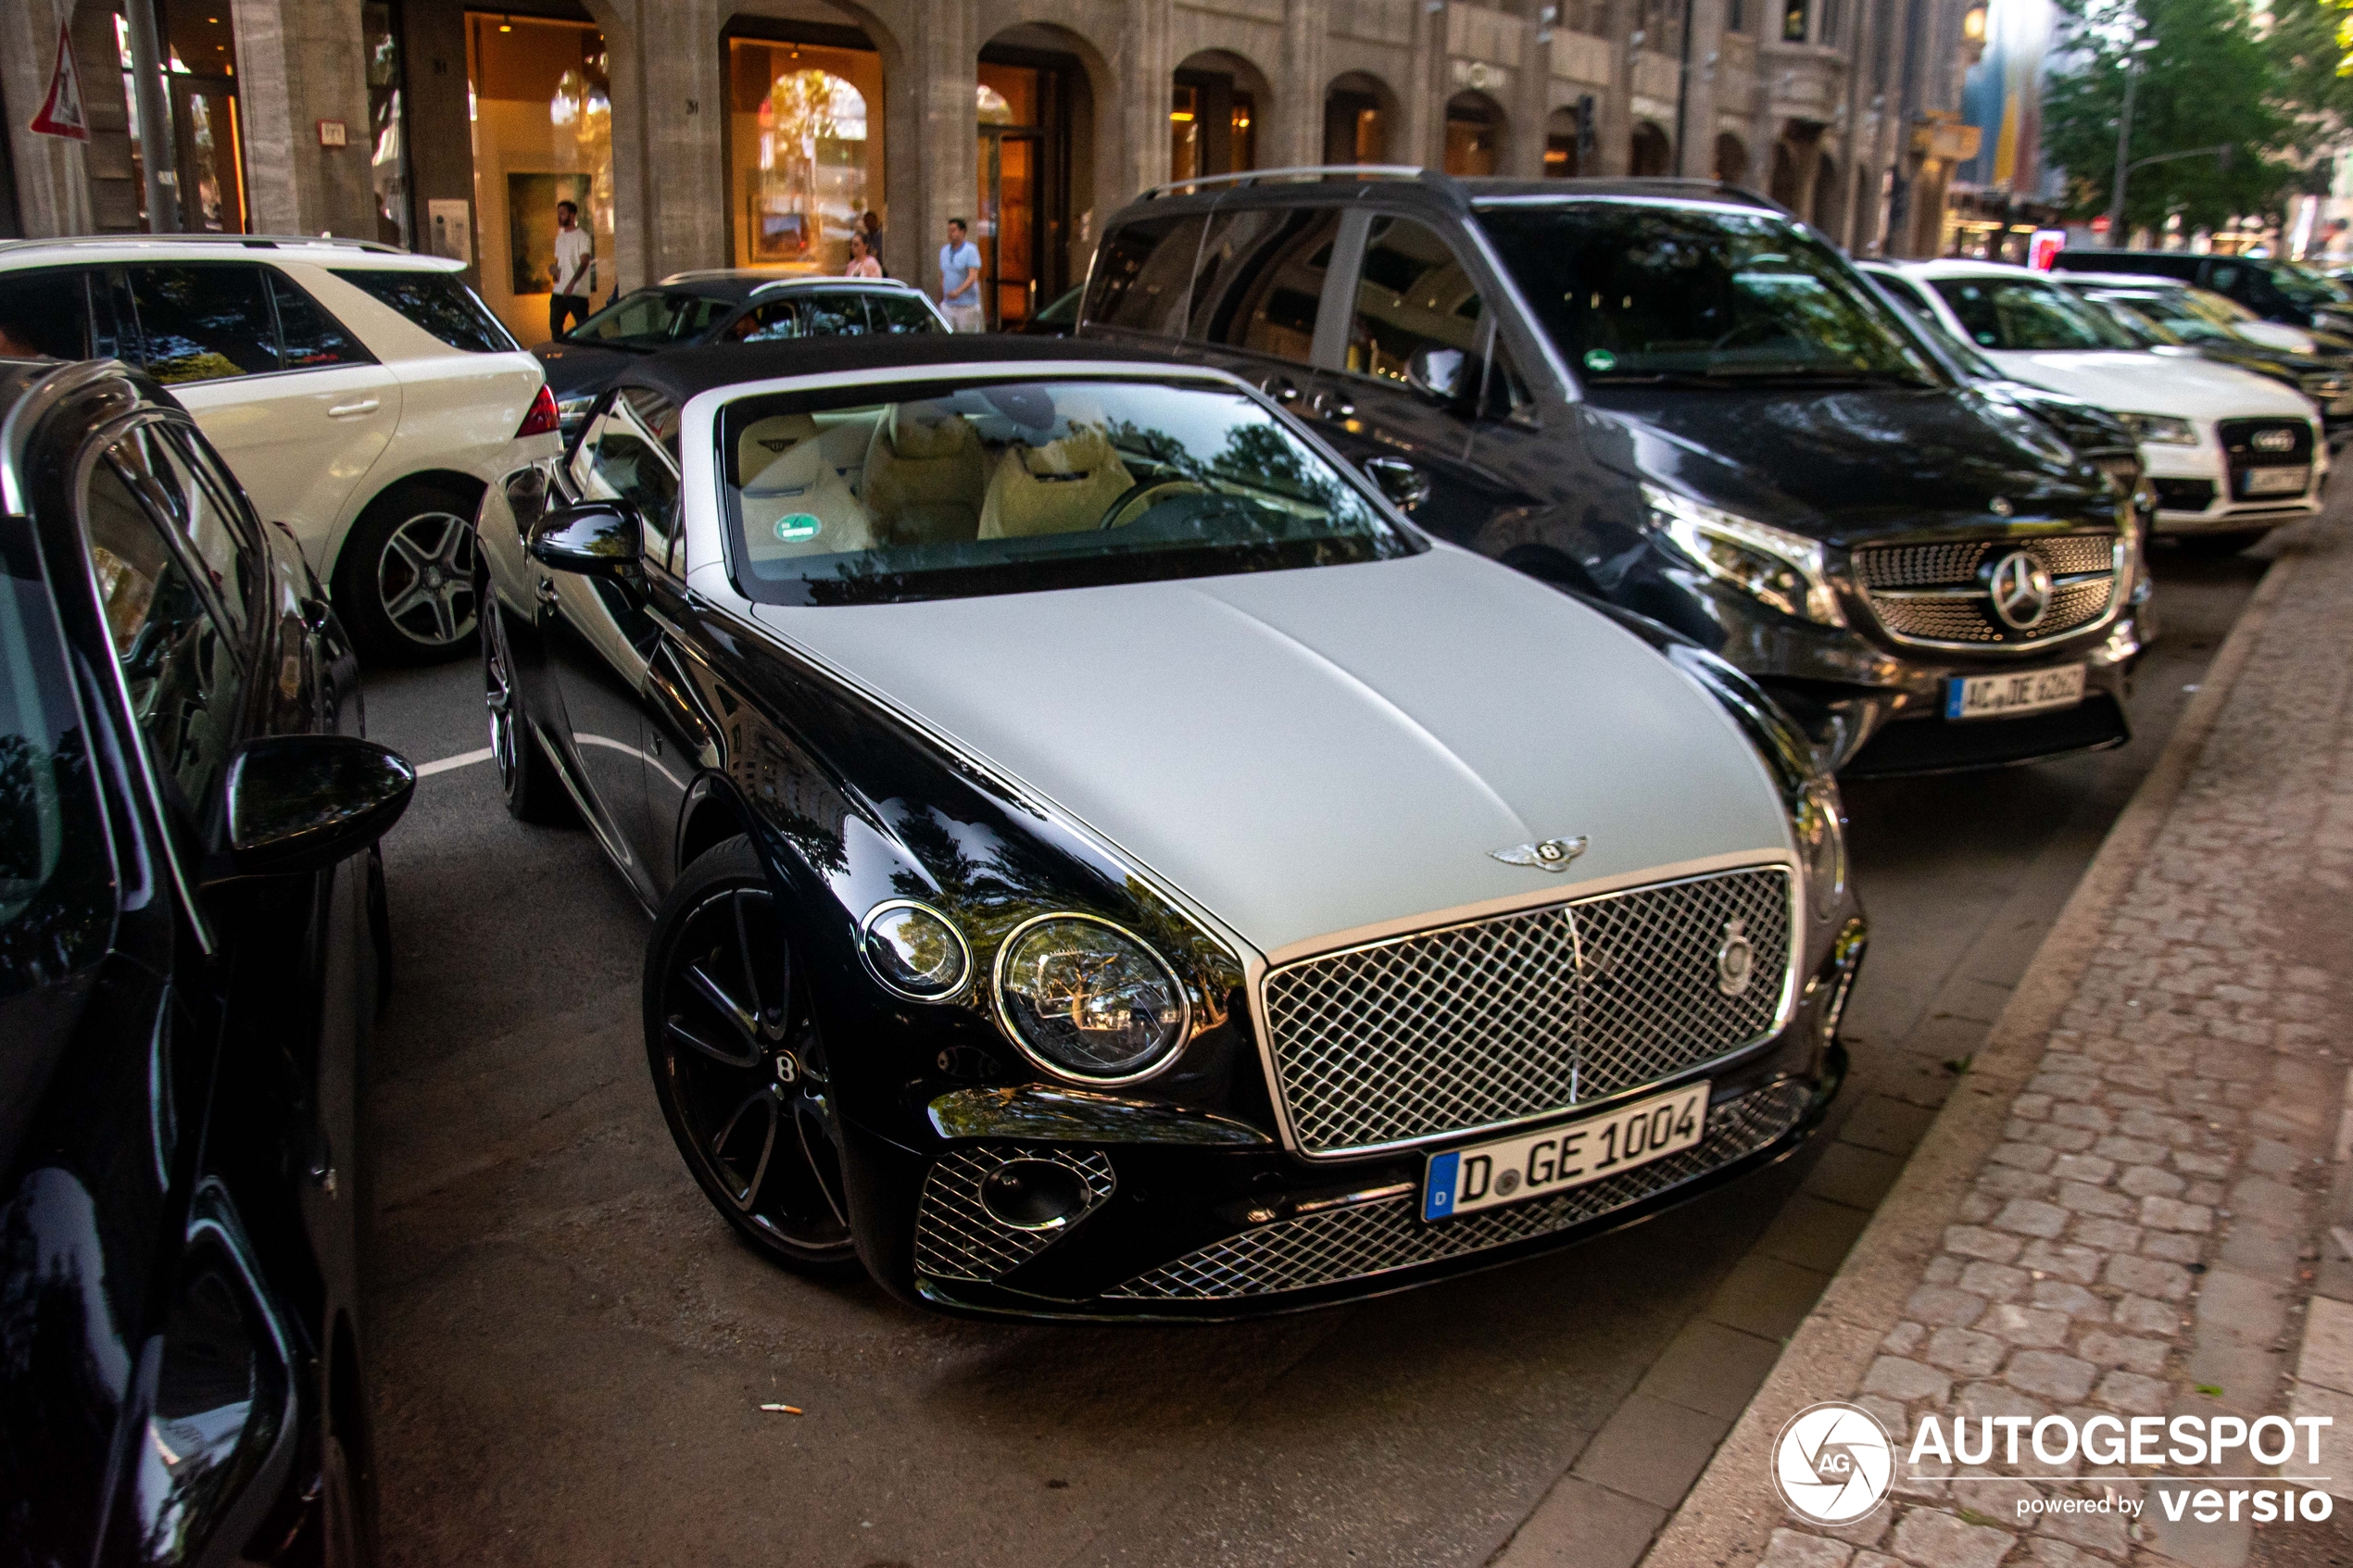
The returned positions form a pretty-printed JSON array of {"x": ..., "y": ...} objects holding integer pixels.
[{"x": 569, "y": 1352}]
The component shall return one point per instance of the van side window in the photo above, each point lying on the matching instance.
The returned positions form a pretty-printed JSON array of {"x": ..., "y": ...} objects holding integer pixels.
[
  {"x": 1415, "y": 306},
  {"x": 1262, "y": 282},
  {"x": 1143, "y": 275}
]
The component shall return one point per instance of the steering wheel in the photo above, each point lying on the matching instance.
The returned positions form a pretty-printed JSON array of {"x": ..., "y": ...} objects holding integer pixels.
[
  {"x": 1144, "y": 495},
  {"x": 1743, "y": 329}
]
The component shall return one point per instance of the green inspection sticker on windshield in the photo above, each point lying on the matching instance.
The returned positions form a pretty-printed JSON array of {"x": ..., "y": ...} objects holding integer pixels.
[
  {"x": 1601, "y": 361},
  {"x": 793, "y": 527}
]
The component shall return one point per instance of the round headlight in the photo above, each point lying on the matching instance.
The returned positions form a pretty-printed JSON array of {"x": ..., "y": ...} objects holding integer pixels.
[
  {"x": 1821, "y": 841},
  {"x": 1085, "y": 999},
  {"x": 915, "y": 951}
]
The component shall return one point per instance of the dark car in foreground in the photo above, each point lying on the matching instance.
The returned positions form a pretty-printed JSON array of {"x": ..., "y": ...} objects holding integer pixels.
[
  {"x": 723, "y": 306},
  {"x": 1109, "y": 864},
  {"x": 1672, "y": 396},
  {"x": 192, "y": 919}
]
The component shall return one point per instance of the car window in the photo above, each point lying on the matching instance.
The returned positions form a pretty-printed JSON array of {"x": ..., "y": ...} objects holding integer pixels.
[
  {"x": 1668, "y": 295},
  {"x": 439, "y": 302},
  {"x": 630, "y": 454},
  {"x": 1416, "y": 308},
  {"x": 955, "y": 490},
  {"x": 770, "y": 322},
  {"x": 46, "y": 312},
  {"x": 1917, "y": 310},
  {"x": 309, "y": 338},
  {"x": 204, "y": 322},
  {"x": 651, "y": 317},
  {"x": 895, "y": 313},
  {"x": 1262, "y": 282},
  {"x": 833, "y": 314},
  {"x": 153, "y": 459},
  {"x": 179, "y": 661},
  {"x": 2024, "y": 315},
  {"x": 1143, "y": 275}
]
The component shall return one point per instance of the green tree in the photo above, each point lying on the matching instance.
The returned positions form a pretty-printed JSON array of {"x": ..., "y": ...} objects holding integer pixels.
[{"x": 2209, "y": 80}]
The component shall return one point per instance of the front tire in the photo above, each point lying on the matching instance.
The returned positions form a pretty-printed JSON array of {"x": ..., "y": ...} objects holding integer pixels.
[
  {"x": 405, "y": 580},
  {"x": 526, "y": 774},
  {"x": 735, "y": 1063}
]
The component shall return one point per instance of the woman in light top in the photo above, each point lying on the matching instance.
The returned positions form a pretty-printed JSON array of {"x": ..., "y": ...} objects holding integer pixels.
[{"x": 862, "y": 257}]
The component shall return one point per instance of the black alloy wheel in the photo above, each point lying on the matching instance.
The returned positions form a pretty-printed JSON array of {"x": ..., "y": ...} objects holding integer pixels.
[
  {"x": 526, "y": 774},
  {"x": 736, "y": 1066},
  {"x": 404, "y": 580}
]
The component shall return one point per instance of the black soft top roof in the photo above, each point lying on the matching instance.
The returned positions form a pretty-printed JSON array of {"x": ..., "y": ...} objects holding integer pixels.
[{"x": 680, "y": 374}]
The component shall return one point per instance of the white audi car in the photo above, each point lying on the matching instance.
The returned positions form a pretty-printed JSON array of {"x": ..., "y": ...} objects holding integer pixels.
[
  {"x": 365, "y": 397},
  {"x": 2230, "y": 454}
]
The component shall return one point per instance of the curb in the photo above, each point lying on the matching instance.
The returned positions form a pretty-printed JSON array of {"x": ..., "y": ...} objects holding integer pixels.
[{"x": 1728, "y": 1518}]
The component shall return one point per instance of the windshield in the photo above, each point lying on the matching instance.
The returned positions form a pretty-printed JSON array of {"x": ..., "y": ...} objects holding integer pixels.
[
  {"x": 2026, "y": 315},
  {"x": 651, "y": 319},
  {"x": 1660, "y": 293},
  {"x": 2322, "y": 286},
  {"x": 2138, "y": 317},
  {"x": 1915, "y": 310},
  {"x": 959, "y": 489}
]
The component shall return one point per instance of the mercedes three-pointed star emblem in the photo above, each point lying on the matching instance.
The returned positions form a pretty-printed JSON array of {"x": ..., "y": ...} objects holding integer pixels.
[{"x": 1550, "y": 855}]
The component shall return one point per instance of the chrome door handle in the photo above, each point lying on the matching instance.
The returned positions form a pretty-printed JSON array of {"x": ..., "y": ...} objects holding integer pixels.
[
  {"x": 1331, "y": 406},
  {"x": 546, "y": 591},
  {"x": 346, "y": 410},
  {"x": 1282, "y": 389}
]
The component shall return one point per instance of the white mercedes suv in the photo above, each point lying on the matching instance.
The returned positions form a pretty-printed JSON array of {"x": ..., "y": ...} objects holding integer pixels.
[
  {"x": 365, "y": 397},
  {"x": 2230, "y": 454}
]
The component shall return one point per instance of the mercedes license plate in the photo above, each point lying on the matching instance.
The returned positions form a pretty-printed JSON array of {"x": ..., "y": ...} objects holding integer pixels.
[
  {"x": 2000, "y": 696},
  {"x": 2277, "y": 481},
  {"x": 1565, "y": 1155}
]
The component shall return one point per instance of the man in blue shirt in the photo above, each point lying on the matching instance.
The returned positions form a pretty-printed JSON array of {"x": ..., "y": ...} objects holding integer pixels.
[{"x": 960, "y": 280}]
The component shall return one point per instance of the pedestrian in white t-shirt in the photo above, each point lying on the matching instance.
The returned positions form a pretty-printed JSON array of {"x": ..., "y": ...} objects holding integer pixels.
[
  {"x": 960, "y": 280},
  {"x": 576, "y": 260}
]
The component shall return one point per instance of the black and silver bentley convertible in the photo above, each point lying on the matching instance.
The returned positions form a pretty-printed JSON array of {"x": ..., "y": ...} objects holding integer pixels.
[{"x": 1109, "y": 864}]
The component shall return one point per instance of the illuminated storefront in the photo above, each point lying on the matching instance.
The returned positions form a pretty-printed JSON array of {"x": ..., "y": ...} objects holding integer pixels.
[
  {"x": 540, "y": 105},
  {"x": 804, "y": 149}
]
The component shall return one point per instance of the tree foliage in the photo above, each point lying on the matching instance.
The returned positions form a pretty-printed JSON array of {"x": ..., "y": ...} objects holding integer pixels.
[{"x": 2208, "y": 80}]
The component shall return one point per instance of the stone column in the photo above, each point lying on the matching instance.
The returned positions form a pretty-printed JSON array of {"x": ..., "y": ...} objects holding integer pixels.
[
  {"x": 53, "y": 187},
  {"x": 1300, "y": 79},
  {"x": 943, "y": 56},
  {"x": 300, "y": 62},
  {"x": 682, "y": 134},
  {"x": 1695, "y": 147},
  {"x": 1144, "y": 93}
]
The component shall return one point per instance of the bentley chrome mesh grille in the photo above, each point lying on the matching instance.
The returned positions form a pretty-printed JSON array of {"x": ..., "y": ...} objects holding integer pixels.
[
  {"x": 1936, "y": 593},
  {"x": 956, "y": 1238},
  {"x": 1503, "y": 1020},
  {"x": 1372, "y": 1238}
]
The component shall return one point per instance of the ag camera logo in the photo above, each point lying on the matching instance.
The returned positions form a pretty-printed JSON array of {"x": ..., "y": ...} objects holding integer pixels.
[{"x": 1832, "y": 1463}]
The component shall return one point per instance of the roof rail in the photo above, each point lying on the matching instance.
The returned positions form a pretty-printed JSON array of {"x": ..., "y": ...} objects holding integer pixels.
[
  {"x": 1299, "y": 171},
  {"x": 248, "y": 241}
]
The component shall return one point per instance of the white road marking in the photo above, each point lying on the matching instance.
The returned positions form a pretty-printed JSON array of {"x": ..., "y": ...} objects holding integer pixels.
[{"x": 463, "y": 759}]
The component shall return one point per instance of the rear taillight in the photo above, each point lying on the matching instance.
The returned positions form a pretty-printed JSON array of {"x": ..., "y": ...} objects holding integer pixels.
[{"x": 541, "y": 420}]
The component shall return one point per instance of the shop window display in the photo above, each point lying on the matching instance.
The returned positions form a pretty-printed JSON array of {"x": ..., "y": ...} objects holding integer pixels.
[
  {"x": 805, "y": 149},
  {"x": 542, "y": 108}
]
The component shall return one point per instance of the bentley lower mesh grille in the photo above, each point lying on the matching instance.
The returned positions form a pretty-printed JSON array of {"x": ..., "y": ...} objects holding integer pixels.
[
  {"x": 1516, "y": 1017},
  {"x": 1373, "y": 1238},
  {"x": 956, "y": 1238},
  {"x": 1937, "y": 593}
]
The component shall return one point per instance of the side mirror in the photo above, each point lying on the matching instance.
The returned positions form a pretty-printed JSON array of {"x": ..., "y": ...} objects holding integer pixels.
[
  {"x": 1437, "y": 373},
  {"x": 1406, "y": 485},
  {"x": 596, "y": 538},
  {"x": 303, "y": 803}
]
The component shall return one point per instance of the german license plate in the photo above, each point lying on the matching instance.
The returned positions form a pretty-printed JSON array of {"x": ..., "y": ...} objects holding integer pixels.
[
  {"x": 2277, "y": 481},
  {"x": 1557, "y": 1157},
  {"x": 1999, "y": 696}
]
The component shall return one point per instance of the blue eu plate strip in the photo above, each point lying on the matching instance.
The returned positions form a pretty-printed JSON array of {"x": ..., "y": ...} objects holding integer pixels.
[
  {"x": 1438, "y": 1186},
  {"x": 1953, "y": 687}
]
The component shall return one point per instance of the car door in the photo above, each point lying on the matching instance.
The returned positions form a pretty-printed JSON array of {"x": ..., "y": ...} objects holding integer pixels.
[
  {"x": 1421, "y": 371},
  {"x": 595, "y": 631},
  {"x": 286, "y": 394},
  {"x": 214, "y": 1414}
]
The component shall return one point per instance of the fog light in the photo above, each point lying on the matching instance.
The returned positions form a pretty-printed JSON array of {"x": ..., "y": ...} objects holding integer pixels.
[{"x": 1033, "y": 1195}]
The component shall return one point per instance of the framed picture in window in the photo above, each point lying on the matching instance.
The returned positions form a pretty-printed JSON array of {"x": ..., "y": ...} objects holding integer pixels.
[{"x": 531, "y": 225}]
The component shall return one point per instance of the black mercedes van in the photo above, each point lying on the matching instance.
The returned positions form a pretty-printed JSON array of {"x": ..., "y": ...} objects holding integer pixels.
[{"x": 1672, "y": 396}]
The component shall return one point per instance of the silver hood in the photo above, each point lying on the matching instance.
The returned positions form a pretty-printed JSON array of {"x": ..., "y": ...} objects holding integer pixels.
[{"x": 1336, "y": 750}]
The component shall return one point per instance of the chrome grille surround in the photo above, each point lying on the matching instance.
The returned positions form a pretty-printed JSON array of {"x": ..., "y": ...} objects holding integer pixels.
[
  {"x": 1466, "y": 1028},
  {"x": 1373, "y": 1238},
  {"x": 957, "y": 1238},
  {"x": 1932, "y": 594}
]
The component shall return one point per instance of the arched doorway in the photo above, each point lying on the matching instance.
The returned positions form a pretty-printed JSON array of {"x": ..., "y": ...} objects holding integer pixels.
[
  {"x": 1731, "y": 159},
  {"x": 1473, "y": 133},
  {"x": 1653, "y": 152},
  {"x": 1358, "y": 111},
  {"x": 1829, "y": 200},
  {"x": 1034, "y": 109},
  {"x": 1784, "y": 186},
  {"x": 1214, "y": 115},
  {"x": 1560, "y": 144}
]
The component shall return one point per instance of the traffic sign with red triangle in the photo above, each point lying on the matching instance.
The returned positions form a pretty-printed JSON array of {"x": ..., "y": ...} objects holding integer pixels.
[{"x": 62, "y": 112}]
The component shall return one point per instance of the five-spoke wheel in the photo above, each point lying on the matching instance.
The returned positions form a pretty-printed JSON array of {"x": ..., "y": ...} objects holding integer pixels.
[
  {"x": 736, "y": 1065},
  {"x": 405, "y": 578},
  {"x": 526, "y": 774}
]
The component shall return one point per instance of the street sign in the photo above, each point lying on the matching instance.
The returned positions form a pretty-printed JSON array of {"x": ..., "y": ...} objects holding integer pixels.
[{"x": 62, "y": 112}]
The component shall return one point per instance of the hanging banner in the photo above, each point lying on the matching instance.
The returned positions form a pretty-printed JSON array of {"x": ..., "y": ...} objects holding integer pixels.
[{"x": 62, "y": 112}]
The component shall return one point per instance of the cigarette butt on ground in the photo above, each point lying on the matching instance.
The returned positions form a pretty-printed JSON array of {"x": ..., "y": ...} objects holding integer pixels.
[{"x": 783, "y": 1409}]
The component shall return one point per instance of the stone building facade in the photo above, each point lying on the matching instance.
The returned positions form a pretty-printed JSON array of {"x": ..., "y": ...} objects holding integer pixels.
[{"x": 716, "y": 132}]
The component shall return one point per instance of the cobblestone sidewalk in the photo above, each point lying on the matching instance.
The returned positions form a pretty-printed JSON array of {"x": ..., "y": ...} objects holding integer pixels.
[{"x": 2121, "y": 1209}]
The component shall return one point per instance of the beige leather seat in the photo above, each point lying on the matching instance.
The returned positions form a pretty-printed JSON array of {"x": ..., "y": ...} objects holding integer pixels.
[
  {"x": 795, "y": 500},
  {"x": 1064, "y": 486},
  {"x": 926, "y": 475}
]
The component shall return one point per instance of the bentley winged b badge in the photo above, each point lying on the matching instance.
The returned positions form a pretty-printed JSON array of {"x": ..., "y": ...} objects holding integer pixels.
[{"x": 1551, "y": 855}]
